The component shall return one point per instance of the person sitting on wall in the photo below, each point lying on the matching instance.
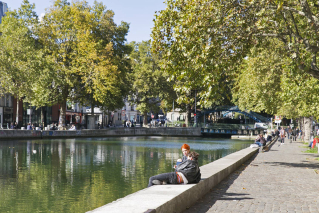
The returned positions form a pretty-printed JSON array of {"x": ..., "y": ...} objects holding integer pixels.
[
  {"x": 53, "y": 127},
  {"x": 185, "y": 150},
  {"x": 260, "y": 140},
  {"x": 314, "y": 142},
  {"x": 29, "y": 126},
  {"x": 12, "y": 126},
  {"x": 186, "y": 172},
  {"x": 72, "y": 127}
]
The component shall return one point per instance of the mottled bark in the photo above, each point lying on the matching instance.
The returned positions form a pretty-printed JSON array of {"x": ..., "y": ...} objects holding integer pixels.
[
  {"x": 62, "y": 114},
  {"x": 307, "y": 129},
  {"x": 188, "y": 115},
  {"x": 145, "y": 119}
]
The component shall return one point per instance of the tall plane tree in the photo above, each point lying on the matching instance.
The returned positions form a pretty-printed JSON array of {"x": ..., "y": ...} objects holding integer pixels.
[
  {"x": 150, "y": 85},
  {"x": 19, "y": 52},
  {"x": 84, "y": 64}
]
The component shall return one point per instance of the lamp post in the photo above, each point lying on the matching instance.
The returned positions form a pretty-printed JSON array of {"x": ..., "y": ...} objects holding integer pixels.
[{"x": 195, "y": 120}]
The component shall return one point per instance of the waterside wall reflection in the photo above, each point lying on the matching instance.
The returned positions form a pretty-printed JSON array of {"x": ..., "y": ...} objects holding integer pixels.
[{"x": 78, "y": 175}]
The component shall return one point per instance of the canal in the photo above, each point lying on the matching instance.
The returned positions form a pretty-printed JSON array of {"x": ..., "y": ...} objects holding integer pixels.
[{"x": 78, "y": 175}]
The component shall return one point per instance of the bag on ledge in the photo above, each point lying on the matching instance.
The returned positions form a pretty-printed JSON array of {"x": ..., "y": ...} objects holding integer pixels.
[{"x": 254, "y": 145}]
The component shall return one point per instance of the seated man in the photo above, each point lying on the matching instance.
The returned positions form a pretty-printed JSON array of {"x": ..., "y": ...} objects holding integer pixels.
[
  {"x": 269, "y": 138},
  {"x": 73, "y": 127},
  {"x": 260, "y": 140},
  {"x": 186, "y": 172}
]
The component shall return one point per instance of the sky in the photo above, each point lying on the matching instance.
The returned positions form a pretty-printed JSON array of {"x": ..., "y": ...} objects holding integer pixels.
[{"x": 138, "y": 13}]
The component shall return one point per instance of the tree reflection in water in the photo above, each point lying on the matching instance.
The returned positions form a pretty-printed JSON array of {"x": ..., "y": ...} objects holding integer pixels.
[{"x": 78, "y": 175}]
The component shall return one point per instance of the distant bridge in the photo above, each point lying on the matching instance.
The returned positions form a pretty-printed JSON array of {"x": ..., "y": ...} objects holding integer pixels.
[
  {"x": 233, "y": 129},
  {"x": 229, "y": 129},
  {"x": 227, "y": 109}
]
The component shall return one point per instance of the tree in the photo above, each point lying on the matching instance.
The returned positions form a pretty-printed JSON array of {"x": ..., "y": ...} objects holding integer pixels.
[
  {"x": 81, "y": 45},
  {"x": 199, "y": 40},
  {"x": 271, "y": 83},
  {"x": 150, "y": 85},
  {"x": 192, "y": 38},
  {"x": 106, "y": 32},
  {"x": 20, "y": 55}
]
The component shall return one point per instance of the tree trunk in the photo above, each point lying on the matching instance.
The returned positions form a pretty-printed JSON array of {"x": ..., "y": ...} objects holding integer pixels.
[
  {"x": 42, "y": 116},
  {"x": 188, "y": 115},
  {"x": 145, "y": 119},
  {"x": 62, "y": 115},
  {"x": 17, "y": 112},
  {"x": 92, "y": 108},
  {"x": 307, "y": 127}
]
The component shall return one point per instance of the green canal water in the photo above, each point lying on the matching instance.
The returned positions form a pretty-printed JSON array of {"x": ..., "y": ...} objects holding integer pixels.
[{"x": 78, "y": 175}]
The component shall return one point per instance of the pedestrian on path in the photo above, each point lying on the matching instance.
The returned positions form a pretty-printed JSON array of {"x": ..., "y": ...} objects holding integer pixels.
[
  {"x": 282, "y": 136},
  {"x": 277, "y": 133},
  {"x": 294, "y": 134}
]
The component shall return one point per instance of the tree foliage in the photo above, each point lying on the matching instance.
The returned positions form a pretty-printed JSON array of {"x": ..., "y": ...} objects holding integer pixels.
[
  {"x": 202, "y": 40},
  {"x": 20, "y": 55},
  {"x": 151, "y": 90},
  {"x": 86, "y": 53},
  {"x": 193, "y": 40},
  {"x": 270, "y": 82}
]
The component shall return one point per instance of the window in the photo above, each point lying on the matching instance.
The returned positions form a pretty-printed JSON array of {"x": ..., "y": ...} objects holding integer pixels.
[
  {"x": 7, "y": 100},
  {"x": 2, "y": 101}
]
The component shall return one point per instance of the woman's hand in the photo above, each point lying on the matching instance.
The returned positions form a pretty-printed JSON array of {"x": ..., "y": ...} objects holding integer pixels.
[{"x": 179, "y": 160}]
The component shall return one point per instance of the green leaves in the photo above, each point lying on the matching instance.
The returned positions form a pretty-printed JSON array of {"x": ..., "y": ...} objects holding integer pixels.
[
  {"x": 76, "y": 53},
  {"x": 20, "y": 55},
  {"x": 151, "y": 90}
]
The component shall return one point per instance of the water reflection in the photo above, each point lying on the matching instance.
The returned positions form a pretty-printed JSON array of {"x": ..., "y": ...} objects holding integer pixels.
[{"x": 78, "y": 175}]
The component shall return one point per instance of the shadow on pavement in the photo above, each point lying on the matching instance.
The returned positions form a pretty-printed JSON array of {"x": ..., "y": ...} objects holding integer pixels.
[
  {"x": 219, "y": 192},
  {"x": 306, "y": 164}
]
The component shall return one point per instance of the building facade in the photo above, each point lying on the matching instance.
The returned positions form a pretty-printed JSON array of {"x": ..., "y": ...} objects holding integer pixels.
[
  {"x": 3, "y": 9},
  {"x": 6, "y": 110}
]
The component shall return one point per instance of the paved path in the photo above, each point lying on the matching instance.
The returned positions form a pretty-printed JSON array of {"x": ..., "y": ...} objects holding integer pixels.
[{"x": 284, "y": 179}]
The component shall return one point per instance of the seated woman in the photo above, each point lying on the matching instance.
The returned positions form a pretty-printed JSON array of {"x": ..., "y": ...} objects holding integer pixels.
[
  {"x": 185, "y": 150},
  {"x": 186, "y": 172},
  {"x": 313, "y": 143}
]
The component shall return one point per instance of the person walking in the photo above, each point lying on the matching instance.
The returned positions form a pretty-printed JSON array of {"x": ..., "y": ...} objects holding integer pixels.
[
  {"x": 282, "y": 136},
  {"x": 294, "y": 134},
  {"x": 277, "y": 134}
]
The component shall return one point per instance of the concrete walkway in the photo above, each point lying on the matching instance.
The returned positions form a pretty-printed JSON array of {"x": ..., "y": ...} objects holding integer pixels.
[{"x": 284, "y": 179}]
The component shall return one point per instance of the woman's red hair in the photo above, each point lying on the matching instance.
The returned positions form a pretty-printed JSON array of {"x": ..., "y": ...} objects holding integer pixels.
[{"x": 185, "y": 146}]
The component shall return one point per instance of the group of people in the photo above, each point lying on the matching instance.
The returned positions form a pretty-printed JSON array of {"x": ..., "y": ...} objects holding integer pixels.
[
  {"x": 30, "y": 126},
  {"x": 128, "y": 123},
  {"x": 186, "y": 170},
  {"x": 14, "y": 125},
  {"x": 289, "y": 133}
]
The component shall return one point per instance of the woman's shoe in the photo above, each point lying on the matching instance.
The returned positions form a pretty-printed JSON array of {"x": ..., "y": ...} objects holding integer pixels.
[{"x": 157, "y": 182}]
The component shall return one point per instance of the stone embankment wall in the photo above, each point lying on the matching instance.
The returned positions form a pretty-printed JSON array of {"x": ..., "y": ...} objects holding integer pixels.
[
  {"x": 176, "y": 198},
  {"x": 114, "y": 132}
]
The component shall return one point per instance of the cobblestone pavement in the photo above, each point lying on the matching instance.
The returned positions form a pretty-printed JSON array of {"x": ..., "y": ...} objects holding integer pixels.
[{"x": 284, "y": 179}]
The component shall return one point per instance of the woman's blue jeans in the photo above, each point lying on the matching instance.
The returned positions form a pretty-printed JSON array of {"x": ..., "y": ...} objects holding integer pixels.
[
  {"x": 258, "y": 143},
  {"x": 170, "y": 177}
]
